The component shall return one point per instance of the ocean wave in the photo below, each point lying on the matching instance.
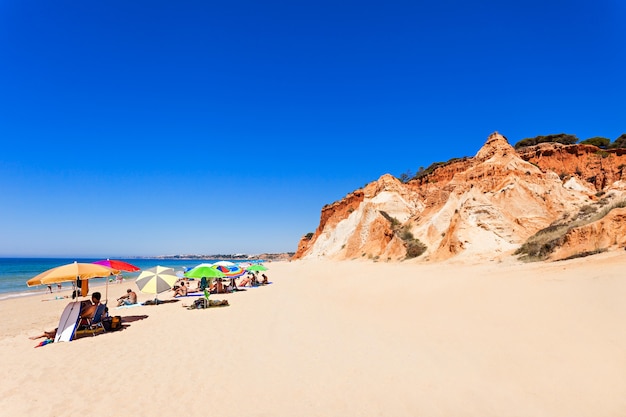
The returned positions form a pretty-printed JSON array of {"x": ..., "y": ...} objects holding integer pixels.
[{"x": 9, "y": 295}]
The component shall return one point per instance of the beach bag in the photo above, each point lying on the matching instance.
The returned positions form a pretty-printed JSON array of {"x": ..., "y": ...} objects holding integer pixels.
[
  {"x": 106, "y": 323},
  {"x": 116, "y": 322}
]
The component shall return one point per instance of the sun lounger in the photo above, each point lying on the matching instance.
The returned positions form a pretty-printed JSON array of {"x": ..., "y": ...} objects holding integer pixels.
[{"x": 94, "y": 324}]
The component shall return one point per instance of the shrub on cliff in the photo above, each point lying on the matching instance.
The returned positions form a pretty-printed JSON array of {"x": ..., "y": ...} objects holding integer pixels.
[
  {"x": 620, "y": 142},
  {"x": 598, "y": 141},
  {"x": 424, "y": 172},
  {"x": 564, "y": 138},
  {"x": 406, "y": 176},
  {"x": 414, "y": 247},
  {"x": 540, "y": 245}
]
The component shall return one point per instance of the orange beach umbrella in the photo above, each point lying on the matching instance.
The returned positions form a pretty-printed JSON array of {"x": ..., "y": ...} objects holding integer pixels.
[{"x": 71, "y": 272}]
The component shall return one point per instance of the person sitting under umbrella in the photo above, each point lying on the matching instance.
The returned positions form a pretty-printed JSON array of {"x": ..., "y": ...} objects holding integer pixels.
[
  {"x": 88, "y": 308},
  {"x": 182, "y": 290},
  {"x": 219, "y": 286}
]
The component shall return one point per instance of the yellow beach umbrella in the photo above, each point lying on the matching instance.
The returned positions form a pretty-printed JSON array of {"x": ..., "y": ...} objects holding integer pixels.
[{"x": 71, "y": 272}]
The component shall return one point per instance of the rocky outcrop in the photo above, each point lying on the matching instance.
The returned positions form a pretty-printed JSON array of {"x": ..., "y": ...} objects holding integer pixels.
[
  {"x": 607, "y": 233},
  {"x": 482, "y": 207},
  {"x": 355, "y": 227},
  {"x": 597, "y": 167}
]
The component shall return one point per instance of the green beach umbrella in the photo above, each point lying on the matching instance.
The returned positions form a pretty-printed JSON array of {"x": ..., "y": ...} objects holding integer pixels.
[
  {"x": 256, "y": 267},
  {"x": 204, "y": 271}
]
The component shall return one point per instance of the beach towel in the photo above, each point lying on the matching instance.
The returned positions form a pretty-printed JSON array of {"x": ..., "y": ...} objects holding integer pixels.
[
  {"x": 128, "y": 306},
  {"x": 157, "y": 302},
  {"x": 45, "y": 342},
  {"x": 258, "y": 285}
]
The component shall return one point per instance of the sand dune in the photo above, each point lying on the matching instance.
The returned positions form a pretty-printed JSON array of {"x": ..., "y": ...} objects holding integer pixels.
[{"x": 351, "y": 338}]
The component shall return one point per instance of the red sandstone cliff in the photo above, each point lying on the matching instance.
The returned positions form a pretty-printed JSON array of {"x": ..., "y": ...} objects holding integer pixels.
[{"x": 482, "y": 207}]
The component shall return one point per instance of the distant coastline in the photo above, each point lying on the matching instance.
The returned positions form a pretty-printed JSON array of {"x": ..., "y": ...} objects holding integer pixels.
[{"x": 284, "y": 256}]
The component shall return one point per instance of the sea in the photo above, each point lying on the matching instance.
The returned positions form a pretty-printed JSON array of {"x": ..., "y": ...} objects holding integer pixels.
[{"x": 14, "y": 272}]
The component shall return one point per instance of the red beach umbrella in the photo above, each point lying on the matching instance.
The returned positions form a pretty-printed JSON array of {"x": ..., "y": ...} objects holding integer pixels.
[{"x": 117, "y": 264}]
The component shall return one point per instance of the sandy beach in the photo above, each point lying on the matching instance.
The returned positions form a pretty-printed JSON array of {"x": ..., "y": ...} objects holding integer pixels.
[{"x": 353, "y": 338}]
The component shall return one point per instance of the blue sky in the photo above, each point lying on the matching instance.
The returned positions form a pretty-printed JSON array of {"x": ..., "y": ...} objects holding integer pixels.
[{"x": 162, "y": 127}]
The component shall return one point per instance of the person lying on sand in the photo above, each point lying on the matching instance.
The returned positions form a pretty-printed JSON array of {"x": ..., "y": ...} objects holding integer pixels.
[
  {"x": 245, "y": 281},
  {"x": 58, "y": 297},
  {"x": 200, "y": 304},
  {"x": 47, "y": 334}
]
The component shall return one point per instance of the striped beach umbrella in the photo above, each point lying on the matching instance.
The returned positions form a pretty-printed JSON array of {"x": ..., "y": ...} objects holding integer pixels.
[
  {"x": 230, "y": 271},
  {"x": 224, "y": 263},
  {"x": 156, "y": 280}
]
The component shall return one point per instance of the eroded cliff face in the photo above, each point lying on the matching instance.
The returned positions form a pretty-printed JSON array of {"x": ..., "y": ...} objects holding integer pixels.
[
  {"x": 606, "y": 233},
  {"x": 600, "y": 168},
  {"x": 483, "y": 207},
  {"x": 354, "y": 226}
]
